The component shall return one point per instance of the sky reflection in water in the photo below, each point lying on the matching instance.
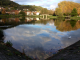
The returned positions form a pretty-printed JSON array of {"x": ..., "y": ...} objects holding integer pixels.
[{"x": 40, "y": 40}]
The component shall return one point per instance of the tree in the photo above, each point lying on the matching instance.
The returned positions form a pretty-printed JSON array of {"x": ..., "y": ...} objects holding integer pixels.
[
  {"x": 54, "y": 14},
  {"x": 67, "y": 6},
  {"x": 15, "y": 7},
  {"x": 3, "y": 11},
  {"x": 78, "y": 11},
  {"x": 58, "y": 11},
  {"x": 74, "y": 12},
  {"x": 60, "y": 15},
  {"x": 51, "y": 12},
  {"x": 44, "y": 11},
  {"x": 22, "y": 13}
]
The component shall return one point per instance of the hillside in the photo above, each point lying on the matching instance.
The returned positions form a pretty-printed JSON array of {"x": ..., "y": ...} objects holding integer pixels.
[
  {"x": 14, "y": 6},
  {"x": 31, "y": 7},
  {"x": 8, "y": 3}
]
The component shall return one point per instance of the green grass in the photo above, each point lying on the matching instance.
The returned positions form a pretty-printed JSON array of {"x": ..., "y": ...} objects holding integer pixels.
[
  {"x": 52, "y": 16},
  {"x": 2, "y": 16},
  {"x": 75, "y": 18}
]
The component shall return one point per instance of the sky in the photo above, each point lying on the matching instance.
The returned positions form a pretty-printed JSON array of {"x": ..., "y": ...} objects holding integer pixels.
[{"x": 49, "y": 4}]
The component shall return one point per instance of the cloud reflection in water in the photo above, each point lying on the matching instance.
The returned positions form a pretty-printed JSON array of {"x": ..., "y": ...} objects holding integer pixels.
[{"x": 38, "y": 40}]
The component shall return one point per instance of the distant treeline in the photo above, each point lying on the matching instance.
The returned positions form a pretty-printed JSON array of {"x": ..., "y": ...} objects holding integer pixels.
[{"x": 8, "y": 3}]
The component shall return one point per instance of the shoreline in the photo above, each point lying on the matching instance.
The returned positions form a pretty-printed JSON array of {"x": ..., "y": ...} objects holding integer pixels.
[
  {"x": 71, "y": 52},
  {"x": 10, "y": 53}
]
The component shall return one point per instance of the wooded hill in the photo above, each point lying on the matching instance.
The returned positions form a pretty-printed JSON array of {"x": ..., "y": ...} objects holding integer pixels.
[
  {"x": 30, "y": 7},
  {"x": 8, "y": 3}
]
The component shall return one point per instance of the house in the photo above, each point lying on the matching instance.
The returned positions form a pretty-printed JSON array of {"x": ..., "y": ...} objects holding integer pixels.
[
  {"x": 28, "y": 12},
  {"x": 17, "y": 12},
  {"x": 1, "y": 8},
  {"x": 37, "y": 12},
  {"x": 17, "y": 20},
  {"x": 7, "y": 12},
  {"x": 0, "y": 20},
  {"x": 14, "y": 12},
  {"x": 32, "y": 13}
]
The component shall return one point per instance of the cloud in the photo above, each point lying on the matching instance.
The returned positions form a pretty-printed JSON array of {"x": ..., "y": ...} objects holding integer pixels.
[
  {"x": 39, "y": 36},
  {"x": 26, "y": 0},
  {"x": 50, "y": 4}
]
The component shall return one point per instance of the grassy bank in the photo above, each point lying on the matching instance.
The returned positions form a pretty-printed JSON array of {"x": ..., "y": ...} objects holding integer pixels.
[
  {"x": 7, "y": 16},
  {"x": 72, "y": 18},
  {"x": 9, "y": 53},
  {"x": 52, "y": 17},
  {"x": 75, "y": 18},
  {"x": 33, "y": 16},
  {"x": 69, "y": 53}
]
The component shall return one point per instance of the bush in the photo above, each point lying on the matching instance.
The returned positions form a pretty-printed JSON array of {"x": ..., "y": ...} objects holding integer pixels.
[{"x": 8, "y": 43}]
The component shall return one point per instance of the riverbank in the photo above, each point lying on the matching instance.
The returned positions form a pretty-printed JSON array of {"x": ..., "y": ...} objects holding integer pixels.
[
  {"x": 9, "y": 53},
  {"x": 75, "y": 18},
  {"x": 69, "y": 53},
  {"x": 52, "y": 17},
  {"x": 19, "y": 15},
  {"x": 71, "y": 18}
]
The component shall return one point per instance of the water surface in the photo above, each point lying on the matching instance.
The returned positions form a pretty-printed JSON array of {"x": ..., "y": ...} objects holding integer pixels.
[{"x": 43, "y": 38}]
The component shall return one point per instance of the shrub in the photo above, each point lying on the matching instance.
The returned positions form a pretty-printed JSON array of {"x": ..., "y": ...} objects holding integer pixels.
[{"x": 8, "y": 43}]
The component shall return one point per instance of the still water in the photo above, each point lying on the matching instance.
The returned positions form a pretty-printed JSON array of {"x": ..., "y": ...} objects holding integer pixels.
[{"x": 42, "y": 38}]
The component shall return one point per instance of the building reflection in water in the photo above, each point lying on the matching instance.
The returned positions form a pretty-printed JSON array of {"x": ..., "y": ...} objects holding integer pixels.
[{"x": 42, "y": 38}]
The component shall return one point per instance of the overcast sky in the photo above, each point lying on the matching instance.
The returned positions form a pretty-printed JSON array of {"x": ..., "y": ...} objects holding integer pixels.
[{"x": 50, "y": 4}]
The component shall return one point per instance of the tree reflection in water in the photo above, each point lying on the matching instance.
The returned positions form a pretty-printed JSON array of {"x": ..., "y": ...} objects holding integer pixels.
[{"x": 41, "y": 38}]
